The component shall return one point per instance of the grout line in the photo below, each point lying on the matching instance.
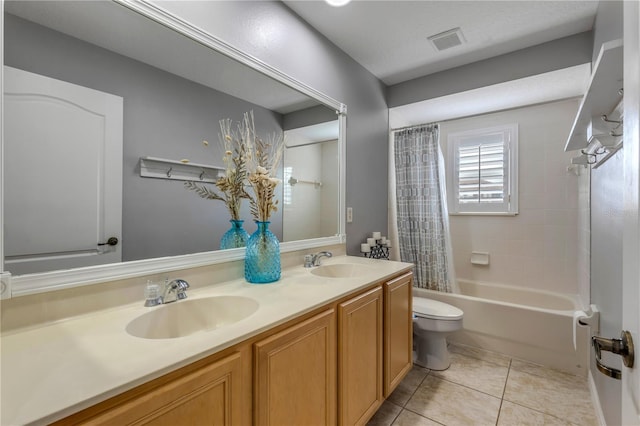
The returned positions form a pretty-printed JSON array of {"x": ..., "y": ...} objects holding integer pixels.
[
  {"x": 411, "y": 396},
  {"x": 544, "y": 413},
  {"x": 397, "y": 415},
  {"x": 417, "y": 387},
  {"x": 468, "y": 387},
  {"x": 423, "y": 416},
  {"x": 502, "y": 399},
  {"x": 504, "y": 390}
]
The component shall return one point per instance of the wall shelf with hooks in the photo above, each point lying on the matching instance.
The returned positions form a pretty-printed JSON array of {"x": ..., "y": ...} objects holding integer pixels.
[
  {"x": 602, "y": 96},
  {"x": 161, "y": 168},
  {"x": 604, "y": 139}
]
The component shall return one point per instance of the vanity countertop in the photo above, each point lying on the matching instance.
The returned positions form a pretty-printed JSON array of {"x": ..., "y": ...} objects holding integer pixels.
[{"x": 54, "y": 370}]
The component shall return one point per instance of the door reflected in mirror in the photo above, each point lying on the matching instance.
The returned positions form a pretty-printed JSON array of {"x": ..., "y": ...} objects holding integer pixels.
[{"x": 173, "y": 92}]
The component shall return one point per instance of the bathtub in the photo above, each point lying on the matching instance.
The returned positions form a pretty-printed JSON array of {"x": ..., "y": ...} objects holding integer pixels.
[{"x": 528, "y": 324}]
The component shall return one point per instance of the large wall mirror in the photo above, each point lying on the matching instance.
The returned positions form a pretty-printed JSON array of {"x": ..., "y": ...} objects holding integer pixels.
[{"x": 109, "y": 107}]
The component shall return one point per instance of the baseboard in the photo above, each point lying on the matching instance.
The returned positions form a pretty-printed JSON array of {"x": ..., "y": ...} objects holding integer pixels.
[{"x": 595, "y": 400}]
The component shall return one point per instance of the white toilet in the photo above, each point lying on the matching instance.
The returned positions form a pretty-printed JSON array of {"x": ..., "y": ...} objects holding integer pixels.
[{"x": 432, "y": 321}]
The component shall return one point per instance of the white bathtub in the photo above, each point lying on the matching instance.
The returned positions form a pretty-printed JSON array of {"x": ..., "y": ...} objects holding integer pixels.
[{"x": 532, "y": 325}]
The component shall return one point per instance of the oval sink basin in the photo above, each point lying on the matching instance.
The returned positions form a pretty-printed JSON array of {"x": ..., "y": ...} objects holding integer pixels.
[
  {"x": 185, "y": 317},
  {"x": 340, "y": 270}
]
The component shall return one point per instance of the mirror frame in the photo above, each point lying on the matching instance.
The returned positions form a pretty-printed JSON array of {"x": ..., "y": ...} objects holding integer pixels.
[{"x": 23, "y": 285}]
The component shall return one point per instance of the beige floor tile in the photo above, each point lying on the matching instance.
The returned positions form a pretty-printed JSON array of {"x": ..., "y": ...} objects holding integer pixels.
[
  {"x": 494, "y": 357},
  {"x": 408, "y": 418},
  {"x": 516, "y": 415},
  {"x": 550, "y": 373},
  {"x": 385, "y": 415},
  {"x": 561, "y": 395},
  {"x": 408, "y": 386},
  {"x": 475, "y": 373},
  {"x": 452, "y": 404}
]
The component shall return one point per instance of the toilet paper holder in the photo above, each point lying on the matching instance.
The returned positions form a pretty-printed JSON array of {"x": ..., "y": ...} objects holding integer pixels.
[{"x": 589, "y": 318}]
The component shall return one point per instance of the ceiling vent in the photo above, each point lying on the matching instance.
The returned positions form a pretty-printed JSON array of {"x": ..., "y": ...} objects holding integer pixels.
[{"x": 447, "y": 39}]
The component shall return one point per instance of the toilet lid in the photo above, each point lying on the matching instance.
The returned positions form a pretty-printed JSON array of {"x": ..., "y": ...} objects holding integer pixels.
[{"x": 428, "y": 308}]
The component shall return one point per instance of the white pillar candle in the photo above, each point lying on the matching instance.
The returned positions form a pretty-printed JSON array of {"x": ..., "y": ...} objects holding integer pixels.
[
  {"x": 388, "y": 243},
  {"x": 383, "y": 240},
  {"x": 371, "y": 241},
  {"x": 376, "y": 235},
  {"x": 365, "y": 248}
]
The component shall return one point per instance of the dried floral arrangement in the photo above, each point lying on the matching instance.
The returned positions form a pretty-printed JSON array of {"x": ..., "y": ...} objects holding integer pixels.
[
  {"x": 232, "y": 184},
  {"x": 263, "y": 158}
]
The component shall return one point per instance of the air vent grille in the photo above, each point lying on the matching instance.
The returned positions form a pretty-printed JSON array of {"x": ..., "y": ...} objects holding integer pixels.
[{"x": 447, "y": 39}]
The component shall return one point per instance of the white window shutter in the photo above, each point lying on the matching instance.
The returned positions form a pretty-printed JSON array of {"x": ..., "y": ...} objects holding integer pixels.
[{"x": 483, "y": 170}]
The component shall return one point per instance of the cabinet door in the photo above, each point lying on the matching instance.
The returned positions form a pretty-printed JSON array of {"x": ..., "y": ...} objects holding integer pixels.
[
  {"x": 360, "y": 357},
  {"x": 398, "y": 331},
  {"x": 211, "y": 395},
  {"x": 295, "y": 374}
]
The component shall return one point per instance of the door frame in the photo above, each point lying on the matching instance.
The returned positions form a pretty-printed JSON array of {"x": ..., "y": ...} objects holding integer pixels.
[{"x": 631, "y": 241}]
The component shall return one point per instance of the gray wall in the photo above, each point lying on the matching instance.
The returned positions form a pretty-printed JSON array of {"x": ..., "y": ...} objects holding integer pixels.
[
  {"x": 272, "y": 33},
  {"x": 164, "y": 116},
  {"x": 607, "y": 183},
  {"x": 550, "y": 56}
]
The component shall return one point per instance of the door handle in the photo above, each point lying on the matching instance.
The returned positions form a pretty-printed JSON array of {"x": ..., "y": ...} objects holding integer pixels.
[
  {"x": 622, "y": 346},
  {"x": 113, "y": 241}
]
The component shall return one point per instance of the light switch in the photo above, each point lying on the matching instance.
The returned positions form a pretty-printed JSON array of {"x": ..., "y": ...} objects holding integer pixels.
[{"x": 349, "y": 214}]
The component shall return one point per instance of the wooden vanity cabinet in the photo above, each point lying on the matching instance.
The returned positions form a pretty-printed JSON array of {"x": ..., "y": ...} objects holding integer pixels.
[
  {"x": 360, "y": 357},
  {"x": 295, "y": 374},
  {"x": 208, "y": 392},
  {"x": 398, "y": 330},
  {"x": 334, "y": 365}
]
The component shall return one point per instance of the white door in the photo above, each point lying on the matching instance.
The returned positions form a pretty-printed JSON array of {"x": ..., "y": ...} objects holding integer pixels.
[
  {"x": 631, "y": 241},
  {"x": 63, "y": 174}
]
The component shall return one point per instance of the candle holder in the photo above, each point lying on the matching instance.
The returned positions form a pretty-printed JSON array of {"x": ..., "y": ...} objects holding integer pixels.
[
  {"x": 376, "y": 247},
  {"x": 378, "y": 251}
]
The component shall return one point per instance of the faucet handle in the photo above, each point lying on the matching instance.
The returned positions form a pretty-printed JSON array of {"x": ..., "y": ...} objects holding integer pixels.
[
  {"x": 308, "y": 260},
  {"x": 152, "y": 294},
  {"x": 180, "y": 286}
]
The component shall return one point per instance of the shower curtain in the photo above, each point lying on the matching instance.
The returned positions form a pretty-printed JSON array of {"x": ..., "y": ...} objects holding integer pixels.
[{"x": 419, "y": 220}]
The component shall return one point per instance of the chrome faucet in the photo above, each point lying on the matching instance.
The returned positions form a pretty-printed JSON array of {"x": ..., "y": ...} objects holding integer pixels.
[
  {"x": 312, "y": 260},
  {"x": 170, "y": 291}
]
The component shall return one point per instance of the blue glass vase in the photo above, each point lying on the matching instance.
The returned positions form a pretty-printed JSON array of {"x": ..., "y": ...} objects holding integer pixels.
[
  {"x": 262, "y": 260},
  {"x": 235, "y": 237}
]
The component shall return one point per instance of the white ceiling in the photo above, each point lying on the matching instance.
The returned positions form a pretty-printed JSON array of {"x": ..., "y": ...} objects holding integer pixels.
[
  {"x": 116, "y": 28},
  {"x": 389, "y": 38},
  {"x": 323, "y": 132}
]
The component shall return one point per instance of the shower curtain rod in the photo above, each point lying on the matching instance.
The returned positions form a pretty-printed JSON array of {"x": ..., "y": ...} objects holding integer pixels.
[
  {"x": 484, "y": 113},
  {"x": 416, "y": 125}
]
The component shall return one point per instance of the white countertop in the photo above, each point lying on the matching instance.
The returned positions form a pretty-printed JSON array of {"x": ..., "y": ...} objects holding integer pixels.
[{"x": 52, "y": 371}]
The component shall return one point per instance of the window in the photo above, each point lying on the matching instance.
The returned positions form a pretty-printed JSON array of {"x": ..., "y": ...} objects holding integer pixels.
[{"x": 483, "y": 175}]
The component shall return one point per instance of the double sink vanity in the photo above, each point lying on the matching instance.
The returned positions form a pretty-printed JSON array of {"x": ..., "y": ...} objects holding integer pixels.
[{"x": 324, "y": 345}]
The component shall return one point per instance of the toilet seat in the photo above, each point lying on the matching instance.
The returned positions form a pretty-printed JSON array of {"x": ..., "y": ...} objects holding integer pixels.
[{"x": 433, "y": 309}]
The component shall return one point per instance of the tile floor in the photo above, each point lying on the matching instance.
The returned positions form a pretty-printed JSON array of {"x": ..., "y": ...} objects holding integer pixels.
[{"x": 487, "y": 388}]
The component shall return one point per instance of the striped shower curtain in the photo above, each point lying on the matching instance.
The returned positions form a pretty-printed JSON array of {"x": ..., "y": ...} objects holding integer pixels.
[{"x": 421, "y": 207}]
